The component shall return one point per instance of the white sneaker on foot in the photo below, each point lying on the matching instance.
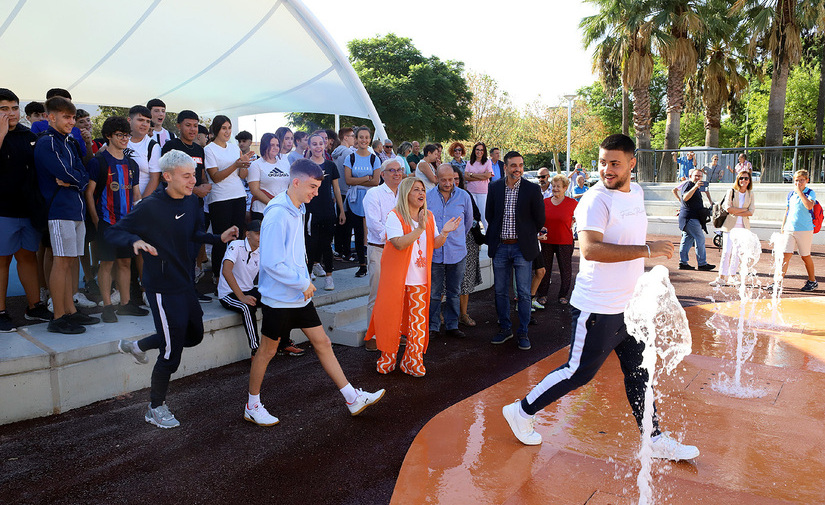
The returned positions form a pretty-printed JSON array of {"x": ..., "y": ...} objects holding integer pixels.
[
  {"x": 50, "y": 305},
  {"x": 128, "y": 347},
  {"x": 81, "y": 301},
  {"x": 318, "y": 270},
  {"x": 115, "y": 297},
  {"x": 259, "y": 415},
  {"x": 364, "y": 400},
  {"x": 665, "y": 447},
  {"x": 522, "y": 428},
  {"x": 329, "y": 285},
  {"x": 161, "y": 417},
  {"x": 717, "y": 282}
]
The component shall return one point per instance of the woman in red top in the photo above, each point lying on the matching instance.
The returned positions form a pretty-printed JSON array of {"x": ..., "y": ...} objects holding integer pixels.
[{"x": 558, "y": 221}]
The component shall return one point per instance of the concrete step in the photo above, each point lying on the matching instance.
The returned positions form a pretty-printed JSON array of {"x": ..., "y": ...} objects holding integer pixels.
[
  {"x": 764, "y": 212},
  {"x": 344, "y": 312}
]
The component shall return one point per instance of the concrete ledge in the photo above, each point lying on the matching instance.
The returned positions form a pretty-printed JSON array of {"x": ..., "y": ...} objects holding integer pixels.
[{"x": 43, "y": 373}]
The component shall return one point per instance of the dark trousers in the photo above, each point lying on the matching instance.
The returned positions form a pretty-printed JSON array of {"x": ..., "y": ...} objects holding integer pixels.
[
  {"x": 358, "y": 227},
  {"x": 178, "y": 324},
  {"x": 343, "y": 236},
  {"x": 564, "y": 255},
  {"x": 319, "y": 243},
  {"x": 594, "y": 337},
  {"x": 224, "y": 215},
  {"x": 249, "y": 313}
]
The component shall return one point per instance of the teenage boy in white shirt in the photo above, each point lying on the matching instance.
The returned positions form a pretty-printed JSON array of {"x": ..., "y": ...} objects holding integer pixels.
[
  {"x": 158, "y": 116},
  {"x": 236, "y": 287}
]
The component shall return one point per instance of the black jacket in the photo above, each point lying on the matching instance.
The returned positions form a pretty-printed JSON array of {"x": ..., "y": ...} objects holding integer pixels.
[
  {"x": 169, "y": 225},
  {"x": 529, "y": 217},
  {"x": 18, "y": 179}
]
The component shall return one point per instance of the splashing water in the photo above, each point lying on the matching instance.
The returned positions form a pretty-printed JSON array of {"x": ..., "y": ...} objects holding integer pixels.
[
  {"x": 778, "y": 242},
  {"x": 655, "y": 317},
  {"x": 746, "y": 245}
]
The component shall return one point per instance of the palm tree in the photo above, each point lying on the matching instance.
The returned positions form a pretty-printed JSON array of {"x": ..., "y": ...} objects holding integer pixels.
[
  {"x": 610, "y": 74},
  {"x": 776, "y": 26},
  {"x": 721, "y": 51},
  {"x": 626, "y": 24},
  {"x": 679, "y": 19}
]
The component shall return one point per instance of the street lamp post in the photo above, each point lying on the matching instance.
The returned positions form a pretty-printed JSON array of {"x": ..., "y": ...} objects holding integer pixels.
[{"x": 569, "y": 99}]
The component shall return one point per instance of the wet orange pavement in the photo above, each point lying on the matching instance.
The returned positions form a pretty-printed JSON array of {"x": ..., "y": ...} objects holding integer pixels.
[{"x": 769, "y": 449}]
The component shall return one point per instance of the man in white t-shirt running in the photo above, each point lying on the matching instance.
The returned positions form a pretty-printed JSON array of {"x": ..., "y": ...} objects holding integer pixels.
[{"x": 612, "y": 227}]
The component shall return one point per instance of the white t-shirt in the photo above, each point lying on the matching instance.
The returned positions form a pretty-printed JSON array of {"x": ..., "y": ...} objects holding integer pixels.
[
  {"x": 416, "y": 275},
  {"x": 245, "y": 267},
  {"x": 161, "y": 137},
  {"x": 428, "y": 185},
  {"x": 605, "y": 288},
  {"x": 147, "y": 164},
  {"x": 221, "y": 157},
  {"x": 272, "y": 178}
]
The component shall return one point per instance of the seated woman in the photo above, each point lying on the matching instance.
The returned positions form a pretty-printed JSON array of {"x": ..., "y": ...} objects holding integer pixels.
[{"x": 403, "y": 299}]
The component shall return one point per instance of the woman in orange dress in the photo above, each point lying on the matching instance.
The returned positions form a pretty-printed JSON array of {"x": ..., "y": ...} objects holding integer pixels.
[{"x": 402, "y": 303}]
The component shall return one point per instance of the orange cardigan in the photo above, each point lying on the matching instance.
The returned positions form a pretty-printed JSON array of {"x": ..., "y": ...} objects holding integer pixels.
[{"x": 390, "y": 316}]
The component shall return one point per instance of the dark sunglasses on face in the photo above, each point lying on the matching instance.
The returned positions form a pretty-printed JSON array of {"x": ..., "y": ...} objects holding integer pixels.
[
  {"x": 542, "y": 177},
  {"x": 744, "y": 178}
]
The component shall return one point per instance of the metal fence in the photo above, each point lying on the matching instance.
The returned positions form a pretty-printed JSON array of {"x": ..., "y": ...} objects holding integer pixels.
[{"x": 773, "y": 164}]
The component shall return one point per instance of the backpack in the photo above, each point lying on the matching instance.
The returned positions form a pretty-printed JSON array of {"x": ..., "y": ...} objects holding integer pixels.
[
  {"x": 720, "y": 212},
  {"x": 816, "y": 211},
  {"x": 152, "y": 144},
  {"x": 352, "y": 160}
]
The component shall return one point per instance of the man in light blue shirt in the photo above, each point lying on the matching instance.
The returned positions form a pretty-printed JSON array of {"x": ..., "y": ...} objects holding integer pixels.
[
  {"x": 447, "y": 201},
  {"x": 798, "y": 227},
  {"x": 685, "y": 164}
]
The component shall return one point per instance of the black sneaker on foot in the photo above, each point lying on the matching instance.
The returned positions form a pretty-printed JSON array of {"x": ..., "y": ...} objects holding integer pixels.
[
  {"x": 685, "y": 266},
  {"x": 109, "y": 315},
  {"x": 65, "y": 326},
  {"x": 456, "y": 333},
  {"x": 92, "y": 288},
  {"x": 362, "y": 271},
  {"x": 204, "y": 298},
  {"x": 6, "y": 326},
  {"x": 707, "y": 267},
  {"x": 82, "y": 319},
  {"x": 810, "y": 286},
  {"x": 131, "y": 309},
  {"x": 39, "y": 313}
]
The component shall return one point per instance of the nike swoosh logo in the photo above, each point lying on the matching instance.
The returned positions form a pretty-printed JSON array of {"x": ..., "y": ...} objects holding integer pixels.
[{"x": 178, "y": 217}]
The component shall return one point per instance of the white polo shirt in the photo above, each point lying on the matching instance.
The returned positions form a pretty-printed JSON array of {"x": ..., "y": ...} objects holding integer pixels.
[
  {"x": 245, "y": 268},
  {"x": 378, "y": 202}
]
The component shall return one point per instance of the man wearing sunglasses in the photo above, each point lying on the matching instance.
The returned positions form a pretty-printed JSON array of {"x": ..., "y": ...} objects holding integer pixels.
[{"x": 544, "y": 182}]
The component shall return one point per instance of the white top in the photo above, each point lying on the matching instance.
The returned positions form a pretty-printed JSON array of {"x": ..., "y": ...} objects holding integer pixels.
[
  {"x": 147, "y": 164},
  {"x": 272, "y": 178},
  {"x": 739, "y": 223},
  {"x": 245, "y": 267},
  {"x": 378, "y": 202},
  {"x": 428, "y": 185},
  {"x": 221, "y": 157},
  {"x": 416, "y": 275},
  {"x": 547, "y": 193},
  {"x": 605, "y": 288},
  {"x": 161, "y": 137}
]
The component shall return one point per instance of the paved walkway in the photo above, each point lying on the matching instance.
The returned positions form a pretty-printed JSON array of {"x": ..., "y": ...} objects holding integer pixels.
[{"x": 106, "y": 453}]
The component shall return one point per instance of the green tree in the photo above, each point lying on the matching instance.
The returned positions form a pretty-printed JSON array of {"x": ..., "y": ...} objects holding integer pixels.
[
  {"x": 104, "y": 113},
  {"x": 494, "y": 121},
  {"x": 417, "y": 97}
]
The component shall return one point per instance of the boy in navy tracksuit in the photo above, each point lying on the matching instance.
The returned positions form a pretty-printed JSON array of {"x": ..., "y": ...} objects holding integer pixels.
[
  {"x": 62, "y": 179},
  {"x": 162, "y": 227}
]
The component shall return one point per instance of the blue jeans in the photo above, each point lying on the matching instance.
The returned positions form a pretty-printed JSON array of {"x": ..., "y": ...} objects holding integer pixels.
[
  {"x": 693, "y": 235},
  {"x": 509, "y": 260},
  {"x": 447, "y": 276}
]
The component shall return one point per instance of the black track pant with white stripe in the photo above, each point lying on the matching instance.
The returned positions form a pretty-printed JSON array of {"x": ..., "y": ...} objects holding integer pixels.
[
  {"x": 594, "y": 337},
  {"x": 178, "y": 323},
  {"x": 248, "y": 312}
]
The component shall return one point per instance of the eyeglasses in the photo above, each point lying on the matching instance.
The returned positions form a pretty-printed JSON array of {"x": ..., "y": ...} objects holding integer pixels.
[
  {"x": 459, "y": 150},
  {"x": 542, "y": 177},
  {"x": 121, "y": 136},
  {"x": 395, "y": 170}
]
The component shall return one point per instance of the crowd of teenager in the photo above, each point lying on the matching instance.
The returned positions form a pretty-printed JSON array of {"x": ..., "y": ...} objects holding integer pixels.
[{"x": 138, "y": 207}]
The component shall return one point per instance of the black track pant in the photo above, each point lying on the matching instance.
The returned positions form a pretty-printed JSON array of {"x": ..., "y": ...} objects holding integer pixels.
[
  {"x": 178, "y": 323},
  {"x": 358, "y": 227},
  {"x": 224, "y": 215},
  {"x": 594, "y": 337},
  {"x": 319, "y": 243},
  {"x": 248, "y": 312}
]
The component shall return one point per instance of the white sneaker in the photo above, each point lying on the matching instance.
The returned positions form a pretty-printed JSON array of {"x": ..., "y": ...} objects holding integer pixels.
[
  {"x": 364, "y": 400},
  {"x": 115, "y": 297},
  {"x": 81, "y": 301},
  {"x": 128, "y": 347},
  {"x": 318, "y": 270},
  {"x": 161, "y": 417},
  {"x": 522, "y": 428},
  {"x": 50, "y": 305},
  {"x": 665, "y": 447},
  {"x": 717, "y": 282},
  {"x": 329, "y": 285},
  {"x": 259, "y": 415}
]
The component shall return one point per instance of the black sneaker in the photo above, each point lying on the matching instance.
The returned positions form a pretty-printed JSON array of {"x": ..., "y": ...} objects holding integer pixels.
[
  {"x": 92, "y": 288},
  {"x": 707, "y": 267},
  {"x": 39, "y": 313},
  {"x": 109, "y": 315},
  {"x": 456, "y": 333},
  {"x": 82, "y": 319},
  {"x": 685, "y": 266},
  {"x": 362, "y": 271},
  {"x": 204, "y": 298},
  {"x": 65, "y": 326},
  {"x": 6, "y": 326},
  {"x": 131, "y": 309},
  {"x": 810, "y": 286}
]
